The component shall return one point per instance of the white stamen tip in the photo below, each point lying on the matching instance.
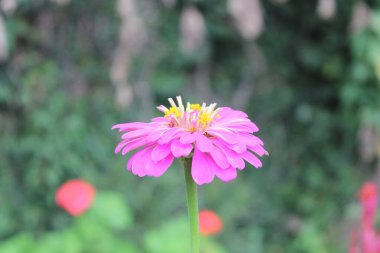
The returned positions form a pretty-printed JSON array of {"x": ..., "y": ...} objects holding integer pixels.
[
  {"x": 171, "y": 101},
  {"x": 162, "y": 108},
  {"x": 179, "y": 100}
]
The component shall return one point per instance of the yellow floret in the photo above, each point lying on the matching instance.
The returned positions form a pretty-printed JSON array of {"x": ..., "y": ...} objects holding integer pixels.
[
  {"x": 173, "y": 111},
  {"x": 195, "y": 107},
  {"x": 204, "y": 118}
]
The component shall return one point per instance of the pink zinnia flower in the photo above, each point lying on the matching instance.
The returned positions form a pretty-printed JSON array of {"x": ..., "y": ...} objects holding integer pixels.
[
  {"x": 209, "y": 223},
  {"x": 217, "y": 139},
  {"x": 75, "y": 196},
  {"x": 368, "y": 199},
  {"x": 369, "y": 240}
]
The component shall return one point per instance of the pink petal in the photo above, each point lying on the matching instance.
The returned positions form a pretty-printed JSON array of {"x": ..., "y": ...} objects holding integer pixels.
[
  {"x": 253, "y": 127},
  {"x": 236, "y": 122},
  {"x": 160, "y": 119},
  {"x": 252, "y": 159},
  {"x": 233, "y": 158},
  {"x": 178, "y": 149},
  {"x": 223, "y": 134},
  {"x": 258, "y": 149},
  {"x": 239, "y": 148},
  {"x": 369, "y": 240},
  {"x": 223, "y": 174},
  {"x": 130, "y": 126},
  {"x": 136, "y": 133},
  {"x": 240, "y": 129},
  {"x": 170, "y": 135},
  {"x": 227, "y": 114},
  {"x": 250, "y": 140},
  {"x": 219, "y": 158},
  {"x": 203, "y": 143},
  {"x": 157, "y": 169},
  {"x": 188, "y": 138},
  {"x": 159, "y": 152},
  {"x": 130, "y": 162},
  {"x": 155, "y": 135},
  {"x": 134, "y": 144},
  {"x": 121, "y": 145},
  {"x": 226, "y": 174},
  {"x": 201, "y": 170},
  {"x": 140, "y": 160}
]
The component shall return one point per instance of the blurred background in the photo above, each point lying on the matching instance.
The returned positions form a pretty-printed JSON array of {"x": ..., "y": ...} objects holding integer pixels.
[{"x": 307, "y": 72}]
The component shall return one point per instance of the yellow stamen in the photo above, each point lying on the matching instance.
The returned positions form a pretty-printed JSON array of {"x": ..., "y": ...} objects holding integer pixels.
[
  {"x": 173, "y": 111},
  {"x": 195, "y": 107},
  {"x": 204, "y": 118}
]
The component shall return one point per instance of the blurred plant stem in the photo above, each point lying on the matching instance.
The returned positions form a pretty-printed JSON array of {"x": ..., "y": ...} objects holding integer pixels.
[{"x": 192, "y": 205}]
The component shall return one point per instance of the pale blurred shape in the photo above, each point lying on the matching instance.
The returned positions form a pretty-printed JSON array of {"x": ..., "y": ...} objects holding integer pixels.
[
  {"x": 193, "y": 30},
  {"x": 132, "y": 31},
  {"x": 8, "y": 6},
  {"x": 3, "y": 40},
  {"x": 326, "y": 9},
  {"x": 132, "y": 36},
  {"x": 361, "y": 17},
  {"x": 124, "y": 96},
  {"x": 248, "y": 17},
  {"x": 169, "y": 3},
  {"x": 61, "y": 2},
  {"x": 367, "y": 142}
]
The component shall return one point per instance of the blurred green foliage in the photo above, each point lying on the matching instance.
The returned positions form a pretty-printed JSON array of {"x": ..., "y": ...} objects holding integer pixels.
[
  {"x": 57, "y": 106},
  {"x": 105, "y": 228}
]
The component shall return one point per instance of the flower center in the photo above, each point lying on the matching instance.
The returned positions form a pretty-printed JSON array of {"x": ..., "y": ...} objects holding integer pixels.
[{"x": 194, "y": 118}]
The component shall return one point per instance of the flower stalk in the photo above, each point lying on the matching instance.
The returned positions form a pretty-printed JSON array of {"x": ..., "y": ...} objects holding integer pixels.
[{"x": 192, "y": 205}]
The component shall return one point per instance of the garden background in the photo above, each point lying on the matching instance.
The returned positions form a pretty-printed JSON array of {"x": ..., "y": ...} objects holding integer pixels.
[{"x": 307, "y": 72}]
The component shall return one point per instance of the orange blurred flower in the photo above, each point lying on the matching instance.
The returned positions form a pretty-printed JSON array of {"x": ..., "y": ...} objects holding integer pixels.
[
  {"x": 209, "y": 223},
  {"x": 75, "y": 196},
  {"x": 368, "y": 191}
]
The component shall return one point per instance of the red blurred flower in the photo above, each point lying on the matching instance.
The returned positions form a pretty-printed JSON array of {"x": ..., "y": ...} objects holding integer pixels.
[
  {"x": 209, "y": 223},
  {"x": 368, "y": 191},
  {"x": 368, "y": 199},
  {"x": 75, "y": 196},
  {"x": 365, "y": 238}
]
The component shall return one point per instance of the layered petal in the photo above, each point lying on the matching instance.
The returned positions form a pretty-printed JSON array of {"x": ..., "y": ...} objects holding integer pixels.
[
  {"x": 219, "y": 158},
  {"x": 170, "y": 135},
  {"x": 187, "y": 138},
  {"x": 201, "y": 170},
  {"x": 227, "y": 174},
  {"x": 158, "y": 168},
  {"x": 233, "y": 158},
  {"x": 223, "y": 134},
  {"x": 258, "y": 149},
  {"x": 140, "y": 159},
  {"x": 203, "y": 143},
  {"x": 159, "y": 152},
  {"x": 252, "y": 159},
  {"x": 134, "y": 144},
  {"x": 179, "y": 149},
  {"x": 129, "y": 126}
]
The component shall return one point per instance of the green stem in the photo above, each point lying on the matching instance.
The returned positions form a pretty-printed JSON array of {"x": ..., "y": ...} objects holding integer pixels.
[{"x": 192, "y": 205}]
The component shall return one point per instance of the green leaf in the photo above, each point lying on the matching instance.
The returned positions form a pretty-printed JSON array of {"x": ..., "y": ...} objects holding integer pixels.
[{"x": 111, "y": 210}]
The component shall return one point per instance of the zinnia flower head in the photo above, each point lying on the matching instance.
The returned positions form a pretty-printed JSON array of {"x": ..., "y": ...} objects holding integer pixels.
[
  {"x": 209, "y": 223},
  {"x": 75, "y": 196},
  {"x": 219, "y": 140}
]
